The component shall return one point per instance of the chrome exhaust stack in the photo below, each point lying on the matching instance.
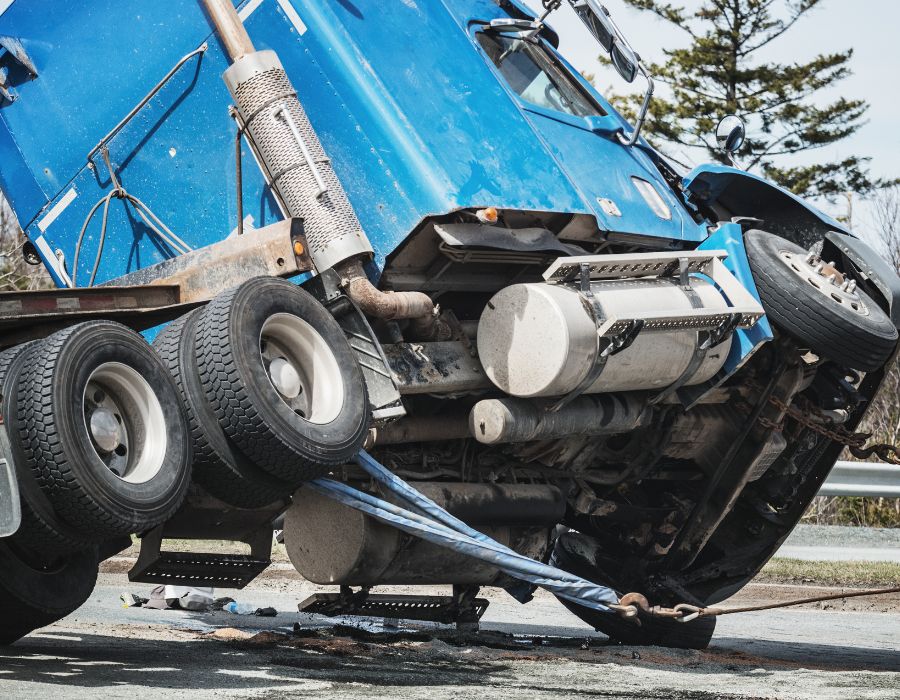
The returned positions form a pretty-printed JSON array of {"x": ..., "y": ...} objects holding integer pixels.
[
  {"x": 288, "y": 146},
  {"x": 286, "y": 143},
  {"x": 300, "y": 171}
]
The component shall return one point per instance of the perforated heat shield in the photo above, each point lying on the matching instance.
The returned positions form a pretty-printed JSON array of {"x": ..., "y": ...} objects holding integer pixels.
[{"x": 287, "y": 144}]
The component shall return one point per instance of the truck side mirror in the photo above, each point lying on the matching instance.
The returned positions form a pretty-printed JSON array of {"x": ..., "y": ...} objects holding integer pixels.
[{"x": 730, "y": 134}]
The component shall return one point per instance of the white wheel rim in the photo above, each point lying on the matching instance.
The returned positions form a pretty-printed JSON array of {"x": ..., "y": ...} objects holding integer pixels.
[
  {"x": 302, "y": 368},
  {"x": 125, "y": 422},
  {"x": 822, "y": 277}
]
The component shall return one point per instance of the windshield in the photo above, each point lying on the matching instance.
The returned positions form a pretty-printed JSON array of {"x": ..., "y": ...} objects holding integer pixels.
[{"x": 536, "y": 76}]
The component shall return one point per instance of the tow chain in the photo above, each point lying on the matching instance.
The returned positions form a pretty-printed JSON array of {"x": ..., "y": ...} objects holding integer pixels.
[
  {"x": 822, "y": 425},
  {"x": 632, "y": 604}
]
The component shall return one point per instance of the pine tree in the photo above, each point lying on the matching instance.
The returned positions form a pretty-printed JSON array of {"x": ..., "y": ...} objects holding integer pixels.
[{"x": 723, "y": 71}]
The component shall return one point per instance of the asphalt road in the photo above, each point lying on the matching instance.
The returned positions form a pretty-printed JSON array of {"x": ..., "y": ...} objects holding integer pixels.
[
  {"x": 839, "y": 553},
  {"x": 840, "y": 543},
  {"x": 106, "y": 651}
]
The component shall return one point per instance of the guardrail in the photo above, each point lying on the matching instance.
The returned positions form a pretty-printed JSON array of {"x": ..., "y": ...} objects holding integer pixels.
[{"x": 871, "y": 479}]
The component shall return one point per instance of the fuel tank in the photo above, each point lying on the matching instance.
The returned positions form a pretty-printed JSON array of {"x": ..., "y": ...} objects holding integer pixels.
[{"x": 541, "y": 339}]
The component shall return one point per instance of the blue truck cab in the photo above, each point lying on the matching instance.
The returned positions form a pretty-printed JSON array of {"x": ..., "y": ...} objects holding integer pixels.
[{"x": 415, "y": 227}]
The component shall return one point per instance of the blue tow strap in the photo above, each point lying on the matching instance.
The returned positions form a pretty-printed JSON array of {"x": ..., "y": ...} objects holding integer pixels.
[{"x": 427, "y": 520}]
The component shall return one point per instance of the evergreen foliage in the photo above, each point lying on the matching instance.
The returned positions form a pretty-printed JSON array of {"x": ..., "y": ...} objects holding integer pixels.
[{"x": 724, "y": 70}]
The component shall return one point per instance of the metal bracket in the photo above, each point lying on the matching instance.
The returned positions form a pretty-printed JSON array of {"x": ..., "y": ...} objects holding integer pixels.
[
  {"x": 10, "y": 507},
  {"x": 614, "y": 343},
  {"x": 463, "y": 608},
  {"x": 304, "y": 149},
  {"x": 717, "y": 335},
  {"x": 384, "y": 395},
  {"x": 661, "y": 265},
  {"x": 7, "y": 94},
  {"x": 204, "y": 517},
  {"x": 713, "y": 337},
  {"x": 12, "y": 47}
]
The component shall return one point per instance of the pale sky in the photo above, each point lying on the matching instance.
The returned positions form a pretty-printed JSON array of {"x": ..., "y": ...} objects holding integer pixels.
[{"x": 870, "y": 28}]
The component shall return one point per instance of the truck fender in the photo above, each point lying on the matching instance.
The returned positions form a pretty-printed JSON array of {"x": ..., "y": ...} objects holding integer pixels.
[
  {"x": 736, "y": 193},
  {"x": 866, "y": 264}
]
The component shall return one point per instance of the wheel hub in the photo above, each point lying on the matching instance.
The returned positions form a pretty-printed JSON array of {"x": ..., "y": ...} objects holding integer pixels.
[
  {"x": 285, "y": 377},
  {"x": 105, "y": 429},
  {"x": 826, "y": 278},
  {"x": 125, "y": 422},
  {"x": 301, "y": 368}
]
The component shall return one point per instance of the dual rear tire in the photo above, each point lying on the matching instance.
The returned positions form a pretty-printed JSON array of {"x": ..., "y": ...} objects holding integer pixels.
[
  {"x": 102, "y": 430},
  {"x": 100, "y": 448},
  {"x": 273, "y": 392},
  {"x": 282, "y": 380}
]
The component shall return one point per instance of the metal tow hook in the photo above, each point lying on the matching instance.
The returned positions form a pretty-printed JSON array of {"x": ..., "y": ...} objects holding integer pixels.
[
  {"x": 631, "y": 604},
  {"x": 688, "y": 612}
]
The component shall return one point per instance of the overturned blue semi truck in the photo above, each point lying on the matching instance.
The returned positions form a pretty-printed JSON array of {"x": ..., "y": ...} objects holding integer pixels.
[{"x": 412, "y": 228}]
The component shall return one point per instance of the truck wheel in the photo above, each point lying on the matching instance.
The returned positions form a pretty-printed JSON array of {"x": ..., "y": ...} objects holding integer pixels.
[
  {"x": 282, "y": 379},
  {"x": 651, "y": 632},
  {"x": 103, "y": 430},
  {"x": 219, "y": 467},
  {"x": 832, "y": 320},
  {"x": 41, "y": 530},
  {"x": 33, "y": 596}
]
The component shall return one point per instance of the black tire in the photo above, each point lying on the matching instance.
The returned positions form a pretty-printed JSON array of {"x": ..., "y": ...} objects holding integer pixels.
[
  {"x": 219, "y": 467},
  {"x": 651, "y": 632},
  {"x": 249, "y": 409},
  {"x": 41, "y": 533},
  {"x": 58, "y": 447},
  {"x": 830, "y": 329},
  {"x": 32, "y": 597}
]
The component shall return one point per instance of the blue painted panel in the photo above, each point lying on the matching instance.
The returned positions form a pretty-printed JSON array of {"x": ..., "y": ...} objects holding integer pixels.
[
  {"x": 16, "y": 181},
  {"x": 602, "y": 168},
  {"x": 177, "y": 155},
  {"x": 446, "y": 133},
  {"x": 730, "y": 238},
  {"x": 414, "y": 117}
]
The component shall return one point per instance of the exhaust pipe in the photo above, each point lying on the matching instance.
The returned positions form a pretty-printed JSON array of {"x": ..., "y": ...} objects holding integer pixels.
[
  {"x": 230, "y": 28},
  {"x": 417, "y": 306},
  {"x": 494, "y": 421},
  {"x": 302, "y": 174}
]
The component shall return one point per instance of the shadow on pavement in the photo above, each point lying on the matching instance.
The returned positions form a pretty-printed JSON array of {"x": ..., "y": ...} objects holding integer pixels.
[
  {"x": 783, "y": 655},
  {"x": 89, "y": 660}
]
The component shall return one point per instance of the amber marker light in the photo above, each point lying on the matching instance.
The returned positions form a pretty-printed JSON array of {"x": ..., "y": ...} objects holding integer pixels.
[{"x": 488, "y": 215}]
